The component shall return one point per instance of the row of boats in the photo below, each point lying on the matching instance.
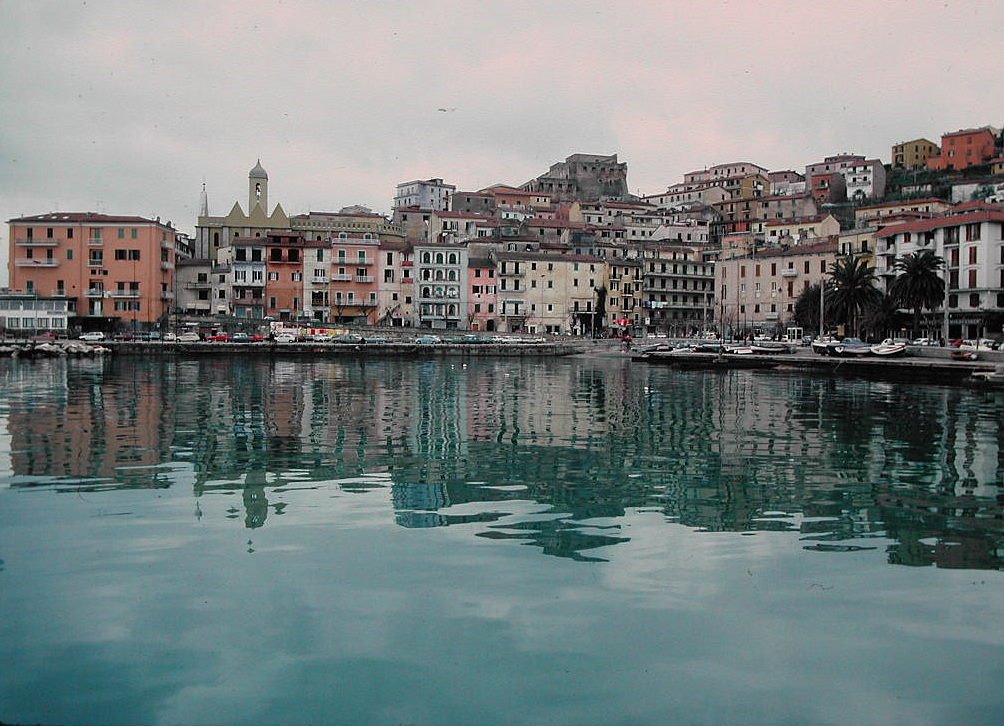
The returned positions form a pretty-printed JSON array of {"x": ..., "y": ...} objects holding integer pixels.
[{"x": 855, "y": 347}]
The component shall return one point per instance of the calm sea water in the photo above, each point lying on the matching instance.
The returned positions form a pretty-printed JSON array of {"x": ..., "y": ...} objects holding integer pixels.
[{"x": 576, "y": 541}]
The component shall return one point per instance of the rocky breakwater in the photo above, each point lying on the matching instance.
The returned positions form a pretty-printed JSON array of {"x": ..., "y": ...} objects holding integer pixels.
[{"x": 60, "y": 349}]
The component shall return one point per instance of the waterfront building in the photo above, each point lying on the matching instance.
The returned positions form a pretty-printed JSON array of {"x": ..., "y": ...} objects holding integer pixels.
[
  {"x": 431, "y": 194},
  {"x": 540, "y": 292},
  {"x": 913, "y": 154},
  {"x": 758, "y": 290},
  {"x": 972, "y": 245},
  {"x": 353, "y": 292},
  {"x": 396, "y": 289},
  {"x": 117, "y": 272},
  {"x": 482, "y": 297},
  {"x": 193, "y": 287},
  {"x": 24, "y": 314},
  {"x": 240, "y": 291},
  {"x": 441, "y": 286},
  {"x": 626, "y": 296},
  {"x": 678, "y": 288},
  {"x": 965, "y": 148}
]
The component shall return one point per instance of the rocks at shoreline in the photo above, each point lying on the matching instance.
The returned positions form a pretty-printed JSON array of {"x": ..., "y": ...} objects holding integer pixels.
[{"x": 69, "y": 349}]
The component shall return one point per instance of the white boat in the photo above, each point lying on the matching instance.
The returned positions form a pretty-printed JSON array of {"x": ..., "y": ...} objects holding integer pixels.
[{"x": 888, "y": 349}]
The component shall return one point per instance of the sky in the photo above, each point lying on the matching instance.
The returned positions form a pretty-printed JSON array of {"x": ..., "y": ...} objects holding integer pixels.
[{"x": 128, "y": 107}]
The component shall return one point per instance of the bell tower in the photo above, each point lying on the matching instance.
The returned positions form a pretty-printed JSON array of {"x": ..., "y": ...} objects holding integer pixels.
[{"x": 258, "y": 188}]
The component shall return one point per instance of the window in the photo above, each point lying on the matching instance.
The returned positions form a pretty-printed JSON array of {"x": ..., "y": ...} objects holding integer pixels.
[{"x": 972, "y": 255}]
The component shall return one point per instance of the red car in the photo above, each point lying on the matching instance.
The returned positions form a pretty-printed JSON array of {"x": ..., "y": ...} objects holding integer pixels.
[{"x": 219, "y": 338}]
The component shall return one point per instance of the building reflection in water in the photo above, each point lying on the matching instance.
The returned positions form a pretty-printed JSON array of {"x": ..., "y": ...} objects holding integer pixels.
[{"x": 581, "y": 442}]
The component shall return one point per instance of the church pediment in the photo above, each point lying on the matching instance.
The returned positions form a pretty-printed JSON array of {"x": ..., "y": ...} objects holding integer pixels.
[
  {"x": 237, "y": 218},
  {"x": 279, "y": 217}
]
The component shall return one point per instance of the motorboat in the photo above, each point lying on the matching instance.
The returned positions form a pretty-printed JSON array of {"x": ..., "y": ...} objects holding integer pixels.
[
  {"x": 889, "y": 348},
  {"x": 821, "y": 344},
  {"x": 849, "y": 348}
]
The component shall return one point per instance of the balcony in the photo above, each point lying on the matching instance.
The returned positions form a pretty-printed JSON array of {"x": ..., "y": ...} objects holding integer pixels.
[
  {"x": 125, "y": 293},
  {"x": 37, "y": 242},
  {"x": 166, "y": 295},
  {"x": 341, "y": 278},
  {"x": 252, "y": 283},
  {"x": 167, "y": 265},
  {"x": 95, "y": 242},
  {"x": 166, "y": 244},
  {"x": 364, "y": 278},
  {"x": 198, "y": 285},
  {"x": 95, "y": 292},
  {"x": 789, "y": 273},
  {"x": 35, "y": 262},
  {"x": 319, "y": 280}
]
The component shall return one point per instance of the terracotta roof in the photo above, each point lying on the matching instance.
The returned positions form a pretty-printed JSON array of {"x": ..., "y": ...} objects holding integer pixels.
[
  {"x": 966, "y": 132},
  {"x": 86, "y": 217},
  {"x": 902, "y": 203},
  {"x": 554, "y": 223},
  {"x": 976, "y": 205},
  {"x": 543, "y": 257},
  {"x": 796, "y": 220},
  {"x": 461, "y": 215},
  {"x": 927, "y": 225},
  {"x": 816, "y": 248}
]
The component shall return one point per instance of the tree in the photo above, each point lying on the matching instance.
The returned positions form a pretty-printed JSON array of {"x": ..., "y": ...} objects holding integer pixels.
[
  {"x": 600, "y": 315},
  {"x": 850, "y": 291},
  {"x": 883, "y": 317},
  {"x": 807, "y": 308},
  {"x": 919, "y": 285}
]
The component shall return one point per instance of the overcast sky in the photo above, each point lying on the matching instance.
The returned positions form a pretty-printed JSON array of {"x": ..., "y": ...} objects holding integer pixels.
[{"x": 126, "y": 107}]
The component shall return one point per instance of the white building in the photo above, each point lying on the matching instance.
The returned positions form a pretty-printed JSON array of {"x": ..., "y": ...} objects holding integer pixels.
[
  {"x": 425, "y": 194},
  {"x": 972, "y": 245}
]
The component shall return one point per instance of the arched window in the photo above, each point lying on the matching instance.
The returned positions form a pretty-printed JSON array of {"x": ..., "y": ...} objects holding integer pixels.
[
  {"x": 439, "y": 258},
  {"x": 426, "y": 292},
  {"x": 452, "y": 311},
  {"x": 453, "y": 258},
  {"x": 439, "y": 274},
  {"x": 451, "y": 275},
  {"x": 426, "y": 258},
  {"x": 426, "y": 274}
]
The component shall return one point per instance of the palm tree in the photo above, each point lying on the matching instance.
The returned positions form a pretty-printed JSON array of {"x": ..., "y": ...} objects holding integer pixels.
[
  {"x": 919, "y": 285},
  {"x": 850, "y": 290},
  {"x": 882, "y": 317}
]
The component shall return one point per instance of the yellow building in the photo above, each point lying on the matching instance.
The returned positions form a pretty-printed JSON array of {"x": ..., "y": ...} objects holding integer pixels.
[{"x": 913, "y": 154}]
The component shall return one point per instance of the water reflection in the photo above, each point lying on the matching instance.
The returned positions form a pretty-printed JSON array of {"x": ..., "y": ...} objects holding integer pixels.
[{"x": 549, "y": 453}]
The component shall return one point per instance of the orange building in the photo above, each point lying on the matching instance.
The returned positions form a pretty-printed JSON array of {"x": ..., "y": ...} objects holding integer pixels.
[
  {"x": 965, "y": 148},
  {"x": 117, "y": 271},
  {"x": 284, "y": 290}
]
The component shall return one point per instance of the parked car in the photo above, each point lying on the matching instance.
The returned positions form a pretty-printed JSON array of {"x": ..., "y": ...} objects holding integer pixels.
[
  {"x": 923, "y": 341},
  {"x": 240, "y": 338},
  {"x": 285, "y": 338},
  {"x": 92, "y": 337},
  {"x": 189, "y": 337},
  {"x": 347, "y": 338},
  {"x": 170, "y": 337},
  {"x": 219, "y": 338},
  {"x": 428, "y": 339}
]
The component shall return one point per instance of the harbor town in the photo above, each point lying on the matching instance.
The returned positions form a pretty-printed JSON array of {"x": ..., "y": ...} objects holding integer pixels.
[
  {"x": 448, "y": 363},
  {"x": 909, "y": 248}
]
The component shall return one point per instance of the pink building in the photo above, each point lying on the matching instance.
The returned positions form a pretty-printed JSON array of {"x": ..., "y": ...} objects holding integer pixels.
[
  {"x": 354, "y": 286},
  {"x": 117, "y": 271},
  {"x": 482, "y": 295}
]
